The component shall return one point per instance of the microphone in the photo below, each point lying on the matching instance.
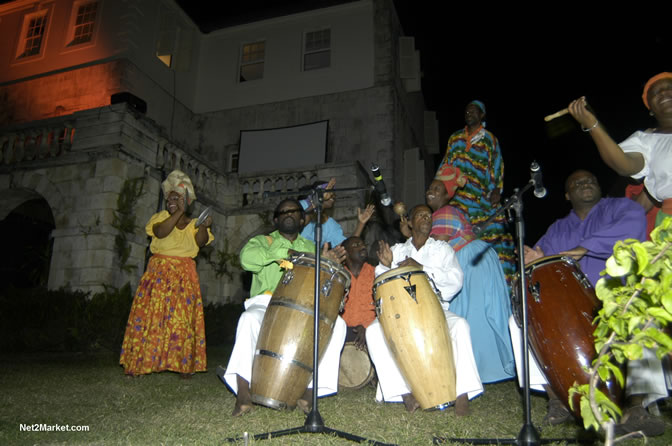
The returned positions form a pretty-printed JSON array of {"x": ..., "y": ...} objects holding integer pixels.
[
  {"x": 379, "y": 185},
  {"x": 535, "y": 175}
]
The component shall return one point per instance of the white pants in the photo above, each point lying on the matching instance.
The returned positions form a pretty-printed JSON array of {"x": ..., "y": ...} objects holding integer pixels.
[
  {"x": 392, "y": 385},
  {"x": 245, "y": 346},
  {"x": 644, "y": 376}
]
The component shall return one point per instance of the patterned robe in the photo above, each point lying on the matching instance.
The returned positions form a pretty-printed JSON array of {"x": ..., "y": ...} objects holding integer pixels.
[{"x": 480, "y": 160}]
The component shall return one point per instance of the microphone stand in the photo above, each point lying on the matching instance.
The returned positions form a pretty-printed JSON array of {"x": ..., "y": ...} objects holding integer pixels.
[
  {"x": 528, "y": 435},
  {"x": 314, "y": 423}
]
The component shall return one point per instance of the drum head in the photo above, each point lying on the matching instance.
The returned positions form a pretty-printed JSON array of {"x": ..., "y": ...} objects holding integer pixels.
[
  {"x": 326, "y": 265},
  {"x": 396, "y": 272},
  {"x": 356, "y": 370}
]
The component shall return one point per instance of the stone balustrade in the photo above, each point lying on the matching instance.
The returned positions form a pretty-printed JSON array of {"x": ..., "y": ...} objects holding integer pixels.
[
  {"x": 118, "y": 128},
  {"x": 49, "y": 139},
  {"x": 204, "y": 177}
]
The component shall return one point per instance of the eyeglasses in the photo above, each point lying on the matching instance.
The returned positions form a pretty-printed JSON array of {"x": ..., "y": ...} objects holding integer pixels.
[
  {"x": 583, "y": 182},
  {"x": 288, "y": 211}
]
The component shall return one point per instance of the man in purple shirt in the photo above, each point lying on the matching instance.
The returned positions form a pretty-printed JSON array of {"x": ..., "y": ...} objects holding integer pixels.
[
  {"x": 588, "y": 234},
  {"x": 590, "y": 230}
]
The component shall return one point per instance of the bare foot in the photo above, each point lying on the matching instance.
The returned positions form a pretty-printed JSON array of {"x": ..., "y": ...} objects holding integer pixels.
[
  {"x": 243, "y": 398},
  {"x": 305, "y": 403},
  {"x": 410, "y": 402},
  {"x": 462, "y": 405}
]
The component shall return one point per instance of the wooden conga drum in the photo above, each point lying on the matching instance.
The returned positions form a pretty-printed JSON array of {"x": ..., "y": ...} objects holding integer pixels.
[
  {"x": 416, "y": 333},
  {"x": 561, "y": 306},
  {"x": 355, "y": 370},
  {"x": 283, "y": 361}
]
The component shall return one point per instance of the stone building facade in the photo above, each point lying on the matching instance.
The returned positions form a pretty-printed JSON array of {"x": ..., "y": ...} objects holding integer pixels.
[{"x": 65, "y": 139}]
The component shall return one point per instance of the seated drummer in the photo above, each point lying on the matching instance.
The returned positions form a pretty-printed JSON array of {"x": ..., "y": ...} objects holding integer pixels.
[
  {"x": 262, "y": 256},
  {"x": 359, "y": 309},
  {"x": 438, "y": 260},
  {"x": 588, "y": 234}
]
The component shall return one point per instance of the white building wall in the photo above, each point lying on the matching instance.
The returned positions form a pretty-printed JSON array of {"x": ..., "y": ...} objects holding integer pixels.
[{"x": 352, "y": 59}]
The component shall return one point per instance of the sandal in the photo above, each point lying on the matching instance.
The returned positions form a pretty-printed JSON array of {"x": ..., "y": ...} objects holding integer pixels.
[
  {"x": 556, "y": 413},
  {"x": 639, "y": 419}
]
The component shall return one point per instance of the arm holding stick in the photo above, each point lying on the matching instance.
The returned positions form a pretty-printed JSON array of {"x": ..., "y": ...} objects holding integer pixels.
[{"x": 622, "y": 163}]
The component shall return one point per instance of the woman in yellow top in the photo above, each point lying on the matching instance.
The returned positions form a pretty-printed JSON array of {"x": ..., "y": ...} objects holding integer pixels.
[{"x": 165, "y": 329}]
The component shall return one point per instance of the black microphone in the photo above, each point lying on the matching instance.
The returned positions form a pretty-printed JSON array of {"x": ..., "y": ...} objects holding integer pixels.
[
  {"x": 535, "y": 175},
  {"x": 379, "y": 185}
]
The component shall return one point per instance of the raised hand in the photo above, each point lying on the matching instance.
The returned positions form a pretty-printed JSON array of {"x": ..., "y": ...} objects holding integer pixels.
[
  {"x": 384, "y": 253},
  {"x": 365, "y": 215},
  {"x": 579, "y": 111},
  {"x": 336, "y": 254}
]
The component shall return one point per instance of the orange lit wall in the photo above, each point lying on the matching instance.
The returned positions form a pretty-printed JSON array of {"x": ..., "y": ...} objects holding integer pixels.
[{"x": 62, "y": 93}]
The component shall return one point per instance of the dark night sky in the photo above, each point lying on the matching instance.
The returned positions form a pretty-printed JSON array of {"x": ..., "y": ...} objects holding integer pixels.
[
  {"x": 525, "y": 64},
  {"x": 524, "y": 69}
]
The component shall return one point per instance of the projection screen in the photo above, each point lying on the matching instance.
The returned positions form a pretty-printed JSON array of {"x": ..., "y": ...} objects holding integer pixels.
[{"x": 283, "y": 148}]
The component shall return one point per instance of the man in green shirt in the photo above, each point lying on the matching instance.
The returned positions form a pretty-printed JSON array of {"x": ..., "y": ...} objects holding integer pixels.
[{"x": 262, "y": 256}]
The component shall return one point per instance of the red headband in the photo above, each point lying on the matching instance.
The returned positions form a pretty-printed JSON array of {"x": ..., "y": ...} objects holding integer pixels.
[
  {"x": 653, "y": 80},
  {"x": 452, "y": 178}
]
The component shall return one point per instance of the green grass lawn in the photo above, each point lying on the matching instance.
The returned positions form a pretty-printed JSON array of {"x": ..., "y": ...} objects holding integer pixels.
[{"x": 161, "y": 409}]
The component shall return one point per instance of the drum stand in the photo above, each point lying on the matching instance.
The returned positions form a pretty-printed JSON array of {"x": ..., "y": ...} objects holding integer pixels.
[
  {"x": 528, "y": 435},
  {"x": 314, "y": 423}
]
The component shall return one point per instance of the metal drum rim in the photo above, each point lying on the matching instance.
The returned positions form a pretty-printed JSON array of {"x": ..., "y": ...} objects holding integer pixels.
[{"x": 326, "y": 265}]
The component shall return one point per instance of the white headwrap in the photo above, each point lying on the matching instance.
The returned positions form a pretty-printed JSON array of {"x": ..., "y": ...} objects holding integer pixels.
[{"x": 179, "y": 182}]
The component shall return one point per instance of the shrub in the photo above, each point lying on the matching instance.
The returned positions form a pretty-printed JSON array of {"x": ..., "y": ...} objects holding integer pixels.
[{"x": 221, "y": 321}]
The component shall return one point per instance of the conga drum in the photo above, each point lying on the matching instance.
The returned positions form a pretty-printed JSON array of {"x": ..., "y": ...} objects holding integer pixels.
[
  {"x": 416, "y": 333},
  {"x": 561, "y": 306},
  {"x": 283, "y": 360},
  {"x": 355, "y": 370}
]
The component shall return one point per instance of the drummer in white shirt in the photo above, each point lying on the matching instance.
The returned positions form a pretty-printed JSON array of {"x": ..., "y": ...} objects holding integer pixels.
[{"x": 439, "y": 262}]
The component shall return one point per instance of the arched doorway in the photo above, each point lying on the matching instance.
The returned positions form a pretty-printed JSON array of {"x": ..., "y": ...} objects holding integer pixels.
[{"x": 25, "y": 237}]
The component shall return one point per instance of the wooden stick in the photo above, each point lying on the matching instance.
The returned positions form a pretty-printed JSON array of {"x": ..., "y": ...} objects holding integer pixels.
[{"x": 562, "y": 112}]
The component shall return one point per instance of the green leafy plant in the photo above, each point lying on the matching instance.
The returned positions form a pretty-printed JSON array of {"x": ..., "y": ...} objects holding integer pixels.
[
  {"x": 107, "y": 314},
  {"x": 636, "y": 306},
  {"x": 221, "y": 321},
  {"x": 225, "y": 262},
  {"x": 37, "y": 319},
  {"x": 124, "y": 220},
  {"x": 42, "y": 320}
]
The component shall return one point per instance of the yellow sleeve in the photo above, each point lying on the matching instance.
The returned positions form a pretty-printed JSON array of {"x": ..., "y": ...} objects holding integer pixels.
[{"x": 156, "y": 218}]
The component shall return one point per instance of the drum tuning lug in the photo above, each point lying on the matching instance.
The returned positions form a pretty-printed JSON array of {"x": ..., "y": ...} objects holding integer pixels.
[
  {"x": 287, "y": 277},
  {"x": 436, "y": 289},
  {"x": 534, "y": 291},
  {"x": 326, "y": 288},
  {"x": 411, "y": 291},
  {"x": 582, "y": 279}
]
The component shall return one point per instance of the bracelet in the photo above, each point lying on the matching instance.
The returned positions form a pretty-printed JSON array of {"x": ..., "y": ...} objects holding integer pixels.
[{"x": 590, "y": 128}]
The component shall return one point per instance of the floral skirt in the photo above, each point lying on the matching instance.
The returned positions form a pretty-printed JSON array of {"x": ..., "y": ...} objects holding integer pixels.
[{"x": 165, "y": 329}]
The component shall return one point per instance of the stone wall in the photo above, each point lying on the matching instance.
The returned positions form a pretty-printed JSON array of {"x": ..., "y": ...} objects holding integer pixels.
[{"x": 81, "y": 178}]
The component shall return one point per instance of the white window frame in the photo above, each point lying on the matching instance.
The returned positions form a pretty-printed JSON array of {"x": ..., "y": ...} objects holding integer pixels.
[
  {"x": 234, "y": 161},
  {"x": 245, "y": 63},
  {"x": 45, "y": 14},
  {"x": 307, "y": 52},
  {"x": 73, "y": 26}
]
